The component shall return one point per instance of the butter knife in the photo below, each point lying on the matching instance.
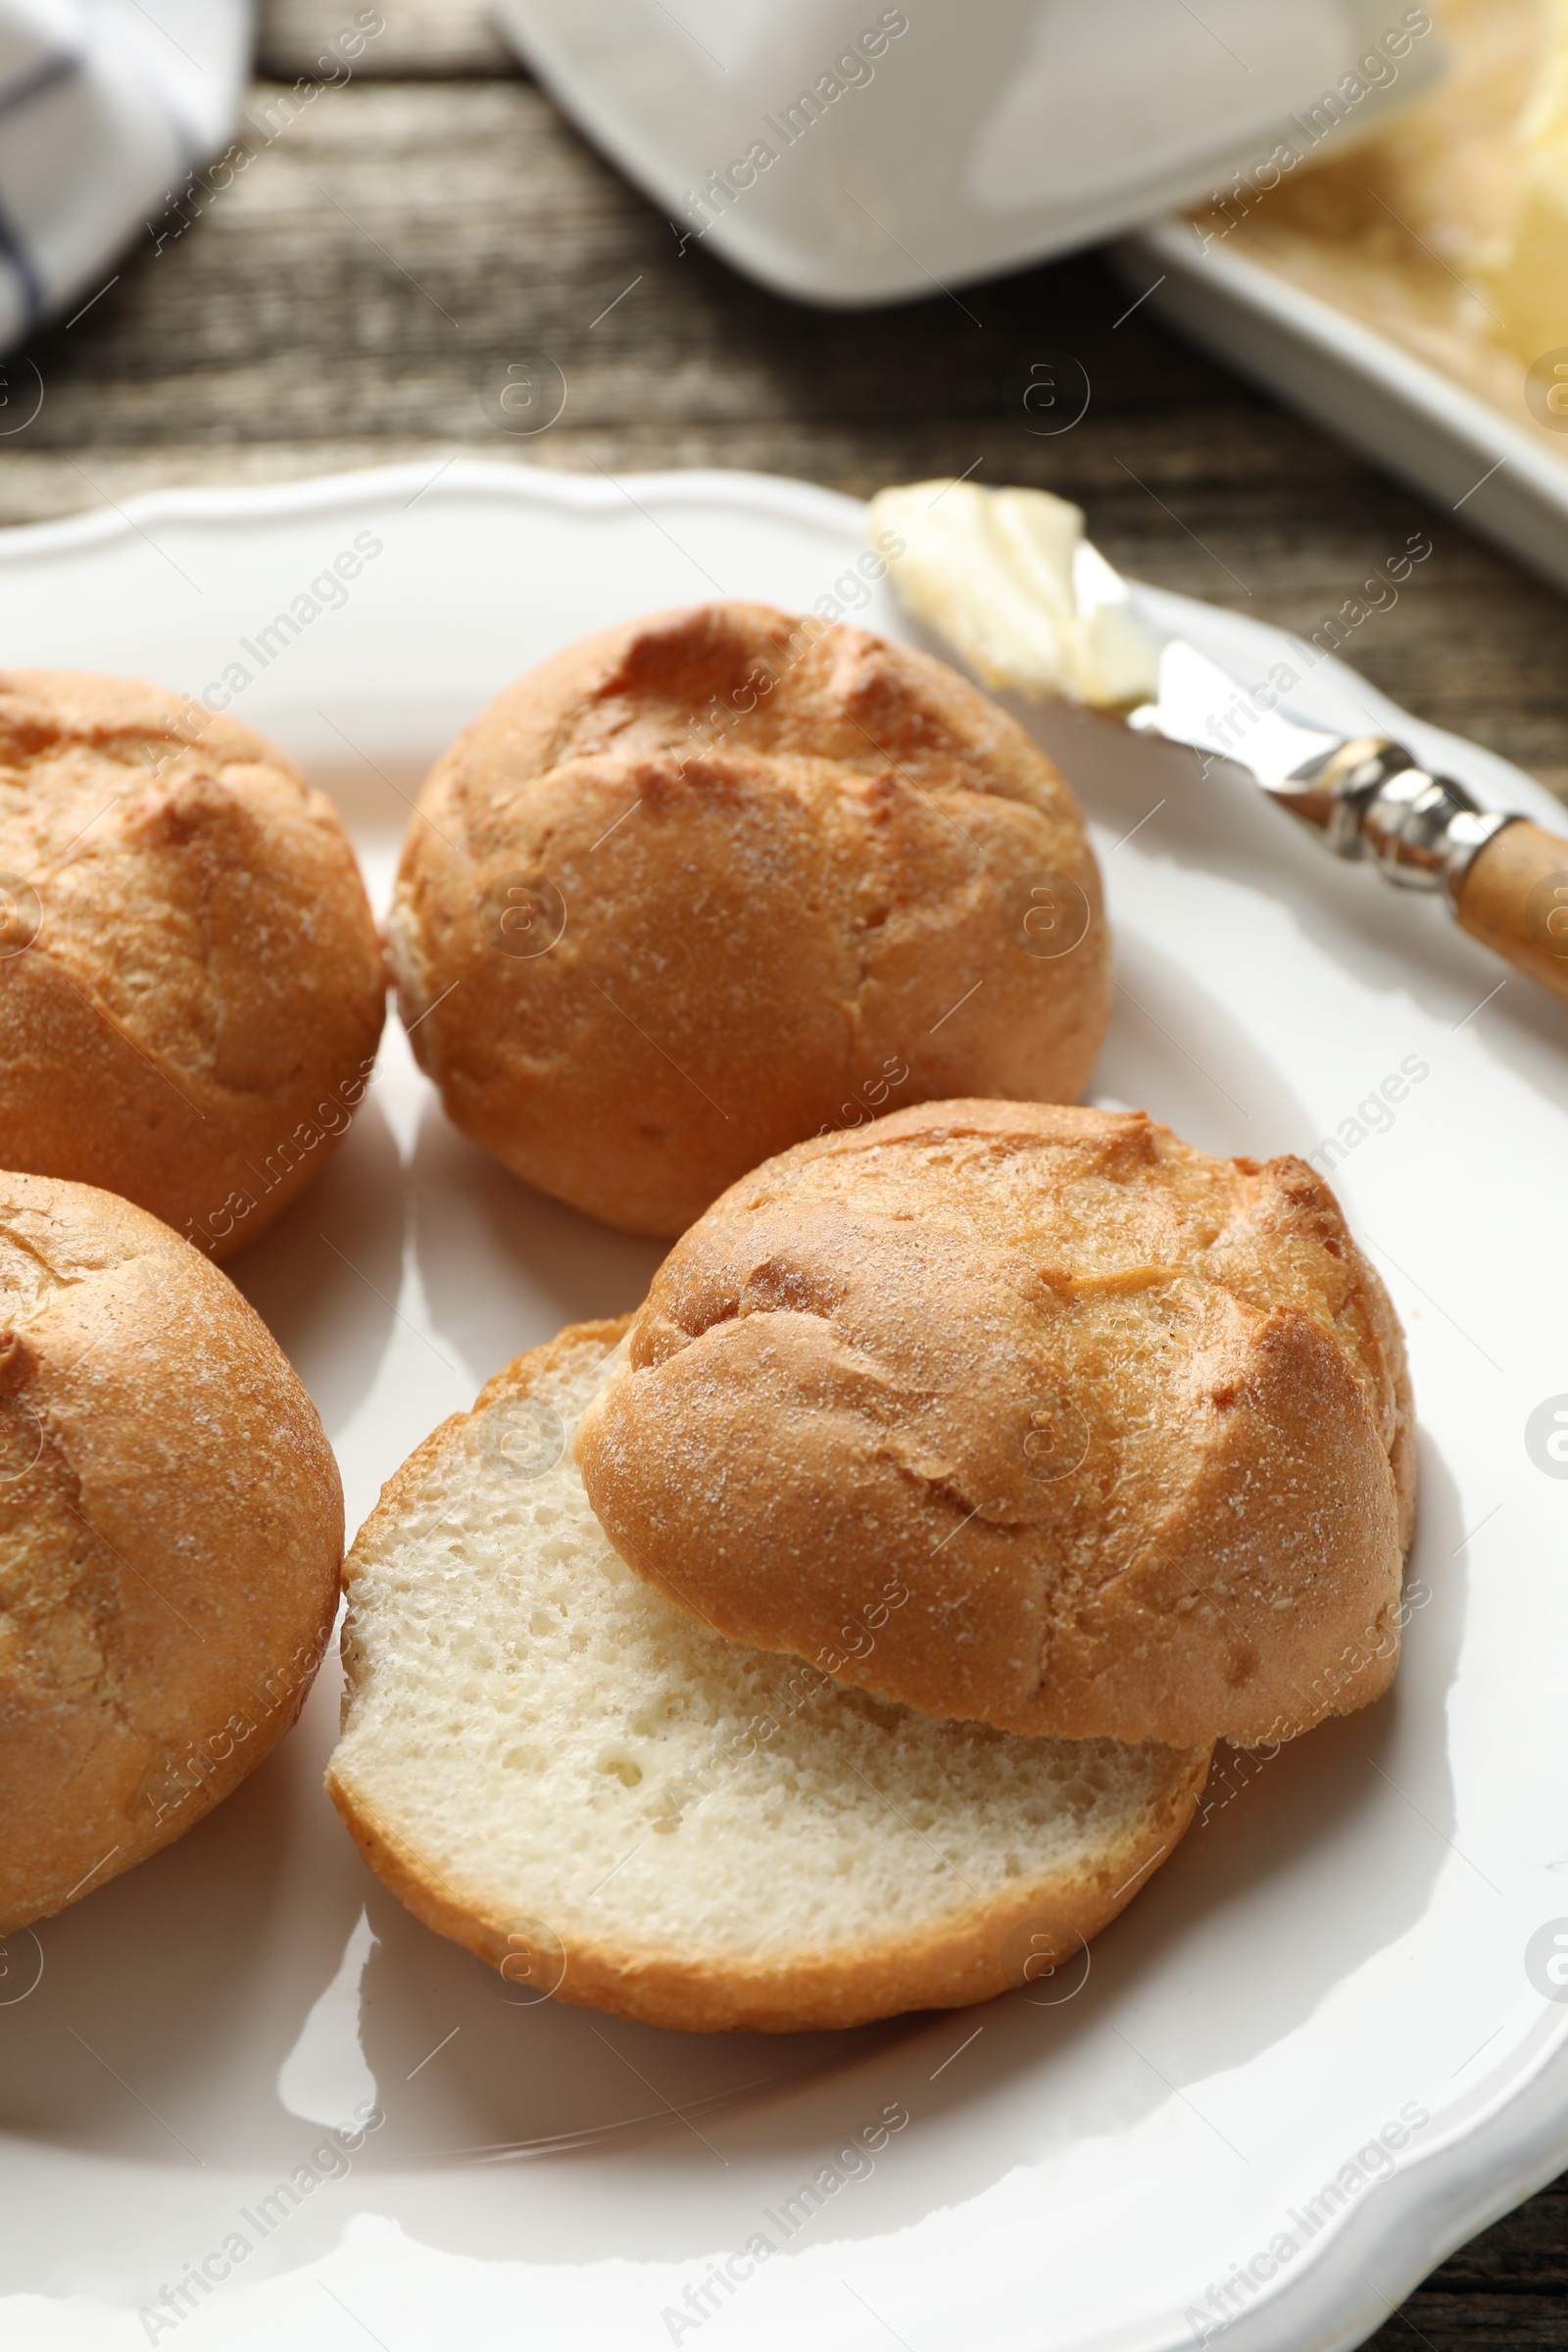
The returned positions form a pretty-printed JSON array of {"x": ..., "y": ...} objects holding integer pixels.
[
  {"x": 1503, "y": 877},
  {"x": 1008, "y": 579}
]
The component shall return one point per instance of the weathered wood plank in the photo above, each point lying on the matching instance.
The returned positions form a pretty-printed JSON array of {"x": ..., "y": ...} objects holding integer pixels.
[{"x": 433, "y": 39}]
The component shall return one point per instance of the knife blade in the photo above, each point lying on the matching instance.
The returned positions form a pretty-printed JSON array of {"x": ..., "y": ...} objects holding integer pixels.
[{"x": 1363, "y": 796}]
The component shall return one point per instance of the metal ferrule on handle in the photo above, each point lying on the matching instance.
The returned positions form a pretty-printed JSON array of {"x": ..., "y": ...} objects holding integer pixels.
[{"x": 1369, "y": 798}]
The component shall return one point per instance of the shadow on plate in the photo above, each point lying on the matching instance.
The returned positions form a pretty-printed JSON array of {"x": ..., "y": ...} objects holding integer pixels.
[
  {"x": 1173, "y": 1050},
  {"x": 1397, "y": 942},
  {"x": 503, "y": 1266},
  {"x": 326, "y": 1278}
]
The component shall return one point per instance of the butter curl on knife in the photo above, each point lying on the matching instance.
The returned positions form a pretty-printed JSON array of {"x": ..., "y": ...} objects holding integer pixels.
[{"x": 1008, "y": 579}]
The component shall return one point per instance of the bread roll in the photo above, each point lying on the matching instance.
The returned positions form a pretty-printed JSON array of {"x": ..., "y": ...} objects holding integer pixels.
[
  {"x": 1130, "y": 1425},
  {"x": 717, "y": 879},
  {"x": 638, "y": 1815},
  {"x": 192, "y": 985},
  {"x": 170, "y": 1528}
]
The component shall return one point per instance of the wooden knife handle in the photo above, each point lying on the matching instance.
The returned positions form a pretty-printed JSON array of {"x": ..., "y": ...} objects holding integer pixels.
[{"x": 1514, "y": 899}]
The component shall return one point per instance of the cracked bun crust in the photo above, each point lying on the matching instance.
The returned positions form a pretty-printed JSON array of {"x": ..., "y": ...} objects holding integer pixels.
[
  {"x": 718, "y": 879},
  {"x": 191, "y": 984},
  {"x": 1129, "y": 1427},
  {"x": 170, "y": 1529}
]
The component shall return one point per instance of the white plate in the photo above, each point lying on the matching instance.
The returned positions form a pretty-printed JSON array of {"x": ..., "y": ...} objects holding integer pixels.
[
  {"x": 1382, "y": 399},
  {"x": 1342, "y": 1942}
]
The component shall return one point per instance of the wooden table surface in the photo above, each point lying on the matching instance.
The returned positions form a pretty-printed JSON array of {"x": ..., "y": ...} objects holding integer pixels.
[{"x": 335, "y": 307}]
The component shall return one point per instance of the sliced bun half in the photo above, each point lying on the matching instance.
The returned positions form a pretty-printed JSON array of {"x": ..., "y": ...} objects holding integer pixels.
[{"x": 559, "y": 1767}]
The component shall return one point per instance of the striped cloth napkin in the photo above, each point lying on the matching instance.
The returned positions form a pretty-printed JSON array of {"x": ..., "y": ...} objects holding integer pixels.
[{"x": 105, "y": 107}]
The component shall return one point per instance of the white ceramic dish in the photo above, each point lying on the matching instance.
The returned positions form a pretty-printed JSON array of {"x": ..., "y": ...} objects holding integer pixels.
[
  {"x": 1342, "y": 1943},
  {"x": 850, "y": 154},
  {"x": 1407, "y": 416}
]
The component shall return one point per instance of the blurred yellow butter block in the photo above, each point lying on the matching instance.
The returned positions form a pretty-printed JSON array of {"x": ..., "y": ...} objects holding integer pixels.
[
  {"x": 1448, "y": 233},
  {"x": 1529, "y": 287}
]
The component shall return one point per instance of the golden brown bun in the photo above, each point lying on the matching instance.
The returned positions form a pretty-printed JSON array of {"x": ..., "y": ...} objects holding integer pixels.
[
  {"x": 1129, "y": 1427},
  {"x": 192, "y": 985},
  {"x": 802, "y": 874},
  {"x": 644, "y": 1817},
  {"x": 170, "y": 1529}
]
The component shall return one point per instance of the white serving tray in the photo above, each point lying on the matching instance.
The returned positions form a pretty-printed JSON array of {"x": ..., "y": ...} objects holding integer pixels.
[
  {"x": 1343, "y": 1943},
  {"x": 1409, "y": 417}
]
